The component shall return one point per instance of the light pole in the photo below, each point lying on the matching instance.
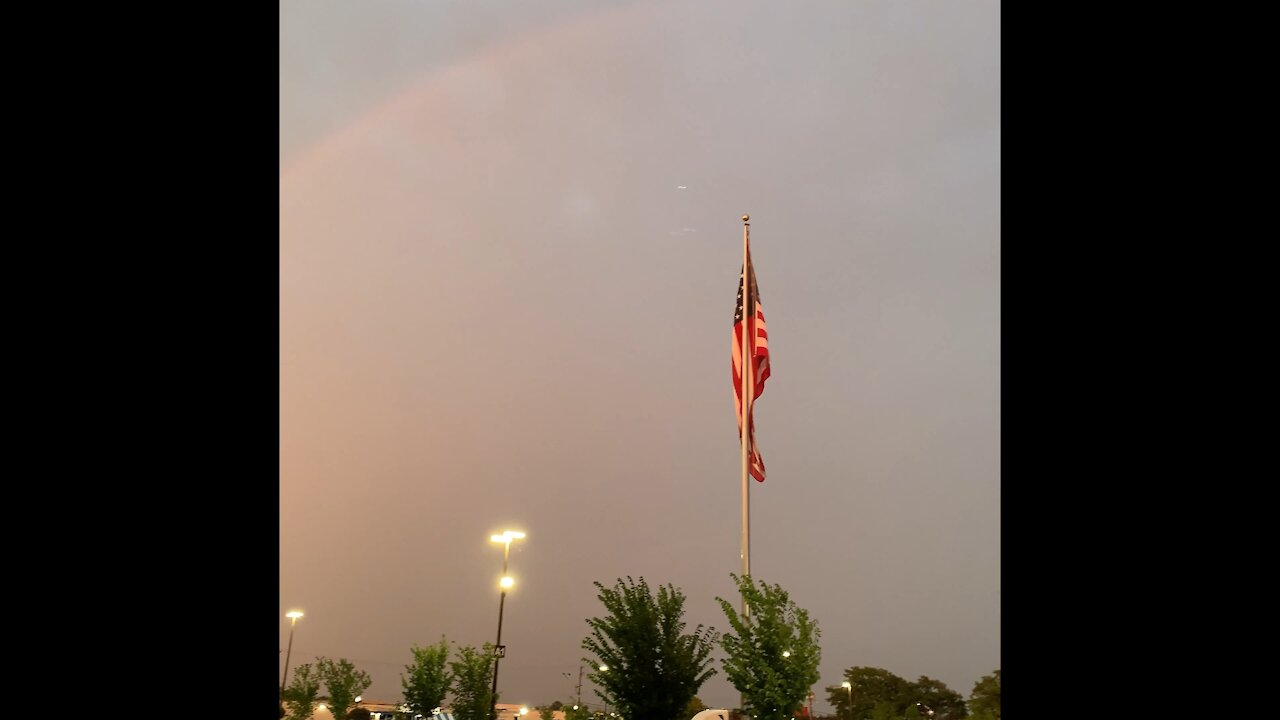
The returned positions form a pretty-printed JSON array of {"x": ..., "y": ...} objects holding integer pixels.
[
  {"x": 849, "y": 686},
  {"x": 505, "y": 538},
  {"x": 578, "y": 687},
  {"x": 293, "y": 616}
]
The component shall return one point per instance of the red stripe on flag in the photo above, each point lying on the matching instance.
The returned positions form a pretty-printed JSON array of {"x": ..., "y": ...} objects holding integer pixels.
[{"x": 758, "y": 355}]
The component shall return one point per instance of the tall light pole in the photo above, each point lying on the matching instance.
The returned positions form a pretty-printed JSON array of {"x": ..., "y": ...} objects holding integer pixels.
[
  {"x": 849, "y": 686},
  {"x": 569, "y": 676},
  {"x": 498, "y": 651},
  {"x": 293, "y": 616}
]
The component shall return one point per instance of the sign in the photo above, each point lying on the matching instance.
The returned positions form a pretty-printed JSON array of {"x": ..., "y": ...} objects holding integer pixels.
[{"x": 500, "y": 651}]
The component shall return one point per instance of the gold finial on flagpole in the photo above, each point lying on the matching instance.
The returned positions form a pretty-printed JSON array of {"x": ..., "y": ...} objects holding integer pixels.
[{"x": 746, "y": 218}]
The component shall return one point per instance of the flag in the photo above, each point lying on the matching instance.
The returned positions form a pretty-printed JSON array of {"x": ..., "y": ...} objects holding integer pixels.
[{"x": 758, "y": 354}]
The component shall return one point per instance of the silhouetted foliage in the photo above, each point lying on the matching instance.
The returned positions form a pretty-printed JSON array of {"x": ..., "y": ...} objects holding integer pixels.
[
  {"x": 303, "y": 694},
  {"x": 694, "y": 707},
  {"x": 429, "y": 678},
  {"x": 984, "y": 700},
  {"x": 473, "y": 677},
  {"x": 880, "y": 695},
  {"x": 655, "y": 667},
  {"x": 946, "y": 704},
  {"x": 773, "y": 652},
  {"x": 343, "y": 682},
  {"x": 871, "y": 687}
]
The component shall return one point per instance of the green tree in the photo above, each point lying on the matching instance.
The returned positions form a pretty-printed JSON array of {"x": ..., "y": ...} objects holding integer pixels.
[
  {"x": 883, "y": 710},
  {"x": 581, "y": 713},
  {"x": 303, "y": 694},
  {"x": 654, "y": 667},
  {"x": 546, "y": 712},
  {"x": 428, "y": 678},
  {"x": 871, "y": 686},
  {"x": 344, "y": 683},
  {"x": 947, "y": 704},
  {"x": 694, "y": 707},
  {"x": 473, "y": 677},
  {"x": 984, "y": 700},
  {"x": 773, "y": 652},
  {"x": 912, "y": 713}
]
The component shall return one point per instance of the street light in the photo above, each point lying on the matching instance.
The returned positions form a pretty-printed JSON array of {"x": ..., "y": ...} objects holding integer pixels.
[
  {"x": 849, "y": 686},
  {"x": 505, "y": 538},
  {"x": 293, "y": 616}
]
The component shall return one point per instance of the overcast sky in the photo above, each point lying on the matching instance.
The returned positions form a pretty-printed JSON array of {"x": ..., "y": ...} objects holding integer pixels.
[{"x": 499, "y": 308}]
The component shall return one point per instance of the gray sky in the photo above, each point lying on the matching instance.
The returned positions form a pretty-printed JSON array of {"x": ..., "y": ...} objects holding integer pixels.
[{"x": 497, "y": 309}]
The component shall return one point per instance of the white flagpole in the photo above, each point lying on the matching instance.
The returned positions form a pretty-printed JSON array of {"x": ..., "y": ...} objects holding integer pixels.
[{"x": 748, "y": 314}]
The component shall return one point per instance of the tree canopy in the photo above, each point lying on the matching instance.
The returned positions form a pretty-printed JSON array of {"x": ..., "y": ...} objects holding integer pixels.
[
  {"x": 473, "y": 677},
  {"x": 984, "y": 700},
  {"x": 428, "y": 679},
  {"x": 880, "y": 695},
  {"x": 343, "y": 682},
  {"x": 772, "y": 653},
  {"x": 946, "y": 704},
  {"x": 303, "y": 694},
  {"x": 654, "y": 667}
]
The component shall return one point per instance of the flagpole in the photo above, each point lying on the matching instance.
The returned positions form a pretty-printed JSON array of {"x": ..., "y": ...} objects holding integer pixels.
[
  {"x": 748, "y": 317},
  {"x": 748, "y": 314}
]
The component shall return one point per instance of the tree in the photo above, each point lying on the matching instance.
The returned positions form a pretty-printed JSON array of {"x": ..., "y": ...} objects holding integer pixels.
[
  {"x": 473, "y": 677},
  {"x": 546, "y": 712},
  {"x": 984, "y": 700},
  {"x": 773, "y": 685},
  {"x": 883, "y": 710},
  {"x": 344, "y": 683},
  {"x": 654, "y": 667},
  {"x": 694, "y": 707},
  {"x": 303, "y": 694},
  {"x": 947, "y": 704},
  {"x": 428, "y": 678},
  {"x": 871, "y": 686}
]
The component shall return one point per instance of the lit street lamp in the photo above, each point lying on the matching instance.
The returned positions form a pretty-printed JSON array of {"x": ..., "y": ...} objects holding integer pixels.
[
  {"x": 505, "y": 538},
  {"x": 848, "y": 686},
  {"x": 293, "y": 616}
]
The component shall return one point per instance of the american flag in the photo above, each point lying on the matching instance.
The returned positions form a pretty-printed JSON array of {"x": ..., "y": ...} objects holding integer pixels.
[{"x": 758, "y": 352}]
